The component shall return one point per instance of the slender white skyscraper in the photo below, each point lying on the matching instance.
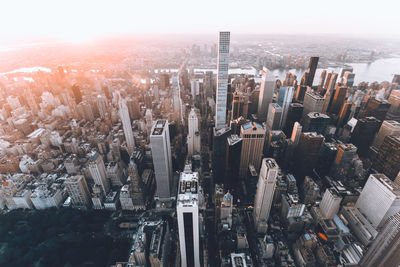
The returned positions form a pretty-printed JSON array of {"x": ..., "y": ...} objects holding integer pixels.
[
  {"x": 162, "y": 161},
  {"x": 126, "y": 124},
  {"x": 266, "y": 93},
  {"x": 193, "y": 137},
  {"x": 222, "y": 79},
  {"x": 187, "y": 208},
  {"x": 265, "y": 194}
]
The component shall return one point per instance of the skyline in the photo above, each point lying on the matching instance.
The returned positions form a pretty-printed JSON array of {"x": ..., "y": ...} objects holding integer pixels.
[{"x": 75, "y": 21}]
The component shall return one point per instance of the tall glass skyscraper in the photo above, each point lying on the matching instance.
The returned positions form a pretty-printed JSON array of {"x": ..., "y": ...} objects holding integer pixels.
[
  {"x": 126, "y": 124},
  {"x": 222, "y": 79}
]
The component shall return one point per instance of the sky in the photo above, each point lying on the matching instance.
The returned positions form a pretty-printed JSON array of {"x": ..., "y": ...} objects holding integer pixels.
[{"x": 82, "y": 20}]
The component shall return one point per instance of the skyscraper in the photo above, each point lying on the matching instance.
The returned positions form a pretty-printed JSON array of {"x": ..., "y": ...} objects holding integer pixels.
[
  {"x": 297, "y": 128},
  {"x": 253, "y": 136},
  {"x": 162, "y": 161},
  {"x": 388, "y": 127},
  {"x": 78, "y": 190},
  {"x": 266, "y": 93},
  {"x": 379, "y": 199},
  {"x": 187, "y": 208},
  {"x": 222, "y": 79},
  {"x": 294, "y": 114},
  {"x": 98, "y": 171},
  {"x": 193, "y": 137},
  {"x": 348, "y": 79},
  {"x": 136, "y": 186},
  {"x": 274, "y": 116},
  {"x": 364, "y": 133},
  {"x": 330, "y": 203},
  {"x": 265, "y": 194},
  {"x": 126, "y": 124},
  {"x": 338, "y": 99},
  {"x": 316, "y": 122},
  {"x": 312, "y": 67},
  {"x": 219, "y": 152},
  {"x": 388, "y": 158},
  {"x": 77, "y": 93},
  {"x": 284, "y": 99},
  {"x": 313, "y": 102},
  {"x": 384, "y": 250},
  {"x": 240, "y": 105},
  {"x": 306, "y": 154},
  {"x": 234, "y": 149}
]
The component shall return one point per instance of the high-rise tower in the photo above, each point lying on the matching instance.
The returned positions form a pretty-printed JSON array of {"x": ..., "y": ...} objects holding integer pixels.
[
  {"x": 187, "y": 209},
  {"x": 162, "y": 161},
  {"x": 266, "y": 93},
  {"x": 265, "y": 194},
  {"x": 126, "y": 124},
  {"x": 222, "y": 79},
  {"x": 98, "y": 171},
  {"x": 193, "y": 137}
]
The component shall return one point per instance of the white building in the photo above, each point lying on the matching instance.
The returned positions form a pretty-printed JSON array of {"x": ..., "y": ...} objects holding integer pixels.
[
  {"x": 330, "y": 204},
  {"x": 187, "y": 208},
  {"x": 193, "y": 137},
  {"x": 98, "y": 171},
  {"x": 162, "y": 161},
  {"x": 126, "y": 124},
  {"x": 78, "y": 191},
  {"x": 265, "y": 194},
  {"x": 222, "y": 79},
  {"x": 266, "y": 93},
  {"x": 387, "y": 128},
  {"x": 379, "y": 199}
]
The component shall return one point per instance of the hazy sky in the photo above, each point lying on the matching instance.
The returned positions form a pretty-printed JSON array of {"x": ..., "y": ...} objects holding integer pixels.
[{"x": 79, "y": 20}]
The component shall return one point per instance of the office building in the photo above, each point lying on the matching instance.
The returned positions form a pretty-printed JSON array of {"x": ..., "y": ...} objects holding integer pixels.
[
  {"x": 240, "y": 105},
  {"x": 274, "y": 116},
  {"x": 137, "y": 187},
  {"x": 338, "y": 99},
  {"x": 384, "y": 250},
  {"x": 388, "y": 158},
  {"x": 322, "y": 82},
  {"x": 379, "y": 199},
  {"x": 326, "y": 158},
  {"x": 329, "y": 92},
  {"x": 265, "y": 193},
  {"x": 348, "y": 79},
  {"x": 294, "y": 114},
  {"x": 193, "y": 137},
  {"x": 187, "y": 209},
  {"x": 78, "y": 191},
  {"x": 98, "y": 171},
  {"x": 126, "y": 124},
  {"x": 219, "y": 152},
  {"x": 316, "y": 122},
  {"x": 222, "y": 79},
  {"x": 253, "y": 136},
  {"x": 208, "y": 84},
  {"x": 313, "y": 102},
  {"x": 330, "y": 203},
  {"x": 376, "y": 108},
  {"x": 297, "y": 129},
  {"x": 388, "y": 127},
  {"x": 309, "y": 75},
  {"x": 306, "y": 154},
  {"x": 234, "y": 149},
  {"x": 284, "y": 100},
  {"x": 343, "y": 160},
  {"x": 162, "y": 161},
  {"x": 364, "y": 133},
  {"x": 266, "y": 93}
]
